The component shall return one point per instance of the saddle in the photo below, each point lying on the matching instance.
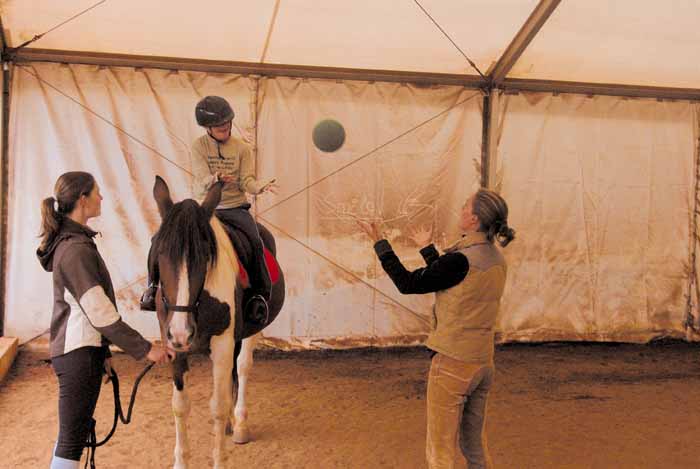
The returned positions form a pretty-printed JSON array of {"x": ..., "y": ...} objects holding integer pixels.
[{"x": 244, "y": 252}]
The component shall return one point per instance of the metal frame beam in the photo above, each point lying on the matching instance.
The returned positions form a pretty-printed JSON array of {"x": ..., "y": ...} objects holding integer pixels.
[
  {"x": 607, "y": 89},
  {"x": 270, "y": 28},
  {"x": 4, "y": 160},
  {"x": 489, "y": 156},
  {"x": 246, "y": 68},
  {"x": 522, "y": 39},
  {"x": 303, "y": 71},
  {"x": 486, "y": 123}
]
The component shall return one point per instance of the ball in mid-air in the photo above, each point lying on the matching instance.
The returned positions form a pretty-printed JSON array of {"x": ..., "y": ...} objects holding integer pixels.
[{"x": 328, "y": 135}]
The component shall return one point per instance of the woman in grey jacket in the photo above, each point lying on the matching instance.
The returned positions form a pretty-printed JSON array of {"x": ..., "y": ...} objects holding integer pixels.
[{"x": 85, "y": 319}]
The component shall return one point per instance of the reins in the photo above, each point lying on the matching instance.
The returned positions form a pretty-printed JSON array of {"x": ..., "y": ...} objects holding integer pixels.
[{"x": 92, "y": 443}]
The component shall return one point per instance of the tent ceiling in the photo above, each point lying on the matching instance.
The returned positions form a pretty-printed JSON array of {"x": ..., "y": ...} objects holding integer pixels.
[
  {"x": 367, "y": 34},
  {"x": 641, "y": 44},
  {"x": 625, "y": 41}
]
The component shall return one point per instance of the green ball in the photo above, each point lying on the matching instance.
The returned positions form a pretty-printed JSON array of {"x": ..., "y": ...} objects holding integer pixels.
[{"x": 328, "y": 135}]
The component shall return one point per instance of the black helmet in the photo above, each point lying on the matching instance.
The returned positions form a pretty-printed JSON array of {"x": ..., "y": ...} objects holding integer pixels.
[{"x": 212, "y": 111}]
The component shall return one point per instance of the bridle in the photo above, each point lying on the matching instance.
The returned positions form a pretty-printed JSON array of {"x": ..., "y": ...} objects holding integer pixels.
[{"x": 193, "y": 308}]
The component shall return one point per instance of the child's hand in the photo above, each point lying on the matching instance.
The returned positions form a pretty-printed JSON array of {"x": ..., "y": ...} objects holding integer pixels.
[
  {"x": 225, "y": 178},
  {"x": 271, "y": 186}
]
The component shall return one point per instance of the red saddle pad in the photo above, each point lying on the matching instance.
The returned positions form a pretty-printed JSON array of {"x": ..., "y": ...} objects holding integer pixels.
[{"x": 272, "y": 267}]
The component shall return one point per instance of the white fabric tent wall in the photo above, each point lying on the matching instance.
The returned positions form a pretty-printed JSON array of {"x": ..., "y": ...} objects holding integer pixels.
[
  {"x": 3, "y": 201},
  {"x": 693, "y": 265},
  {"x": 597, "y": 185},
  {"x": 152, "y": 105},
  {"x": 422, "y": 177},
  {"x": 600, "y": 189}
]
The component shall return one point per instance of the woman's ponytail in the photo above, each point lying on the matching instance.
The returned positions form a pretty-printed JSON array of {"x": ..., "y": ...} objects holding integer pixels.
[
  {"x": 50, "y": 221},
  {"x": 68, "y": 189}
]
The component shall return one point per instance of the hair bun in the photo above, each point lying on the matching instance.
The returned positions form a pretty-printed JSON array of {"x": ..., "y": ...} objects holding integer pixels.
[{"x": 506, "y": 234}]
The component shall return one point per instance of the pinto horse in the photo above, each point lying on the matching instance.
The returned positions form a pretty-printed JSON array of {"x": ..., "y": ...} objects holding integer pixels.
[{"x": 199, "y": 307}]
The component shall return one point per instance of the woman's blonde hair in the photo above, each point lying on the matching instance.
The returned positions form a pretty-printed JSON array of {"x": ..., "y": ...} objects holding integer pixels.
[{"x": 492, "y": 212}]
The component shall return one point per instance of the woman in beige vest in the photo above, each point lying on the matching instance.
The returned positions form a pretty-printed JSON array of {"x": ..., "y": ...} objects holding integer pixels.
[{"x": 468, "y": 281}]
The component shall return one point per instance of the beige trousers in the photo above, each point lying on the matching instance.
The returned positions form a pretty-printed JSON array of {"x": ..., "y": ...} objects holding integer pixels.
[{"x": 457, "y": 393}]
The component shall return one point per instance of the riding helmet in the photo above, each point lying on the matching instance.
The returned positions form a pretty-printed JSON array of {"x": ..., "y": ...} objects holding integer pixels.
[{"x": 212, "y": 111}]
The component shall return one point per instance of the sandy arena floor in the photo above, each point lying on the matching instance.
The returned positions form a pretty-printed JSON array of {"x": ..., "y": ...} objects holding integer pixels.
[{"x": 553, "y": 406}]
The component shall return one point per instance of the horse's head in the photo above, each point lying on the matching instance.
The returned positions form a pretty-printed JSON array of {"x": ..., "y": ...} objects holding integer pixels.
[{"x": 185, "y": 246}]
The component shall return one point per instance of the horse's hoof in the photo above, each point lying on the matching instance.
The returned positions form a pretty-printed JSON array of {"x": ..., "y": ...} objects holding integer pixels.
[
  {"x": 241, "y": 436},
  {"x": 229, "y": 429}
]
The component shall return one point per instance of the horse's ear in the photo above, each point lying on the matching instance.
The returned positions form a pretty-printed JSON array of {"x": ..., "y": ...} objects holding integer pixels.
[
  {"x": 162, "y": 195},
  {"x": 211, "y": 201}
]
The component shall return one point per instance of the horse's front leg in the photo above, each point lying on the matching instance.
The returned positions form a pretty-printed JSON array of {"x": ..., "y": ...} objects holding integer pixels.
[
  {"x": 222, "y": 364},
  {"x": 181, "y": 411},
  {"x": 241, "y": 433}
]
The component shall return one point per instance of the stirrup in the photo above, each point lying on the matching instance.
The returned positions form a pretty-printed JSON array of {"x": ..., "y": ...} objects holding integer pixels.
[{"x": 260, "y": 314}]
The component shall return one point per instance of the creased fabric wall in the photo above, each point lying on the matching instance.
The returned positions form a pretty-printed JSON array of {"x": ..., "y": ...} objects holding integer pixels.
[
  {"x": 51, "y": 134},
  {"x": 693, "y": 292},
  {"x": 338, "y": 295},
  {"x": 422, "y": 177},
  {"x": 600, "y": 191}
]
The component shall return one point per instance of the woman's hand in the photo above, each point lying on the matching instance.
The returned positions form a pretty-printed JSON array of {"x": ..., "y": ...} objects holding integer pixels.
[
  {"x": 372, "y": 229},
  {"x": 160, "y": 355},
  {"x": 421, "y": 236}
]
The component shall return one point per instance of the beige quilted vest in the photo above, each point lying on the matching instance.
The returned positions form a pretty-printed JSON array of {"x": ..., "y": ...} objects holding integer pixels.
[{"x": 465, "y": 314}]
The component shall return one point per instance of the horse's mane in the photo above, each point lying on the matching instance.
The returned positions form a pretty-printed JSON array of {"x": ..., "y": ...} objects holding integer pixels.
[{"x": 186, "y": 234}]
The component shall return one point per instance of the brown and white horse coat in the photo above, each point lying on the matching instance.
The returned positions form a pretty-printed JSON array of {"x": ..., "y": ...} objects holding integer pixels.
[{"x": 199, "y": 310}]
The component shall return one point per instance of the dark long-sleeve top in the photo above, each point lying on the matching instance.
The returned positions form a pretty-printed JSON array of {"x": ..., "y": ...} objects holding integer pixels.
[{"x": 440, "y": 273}]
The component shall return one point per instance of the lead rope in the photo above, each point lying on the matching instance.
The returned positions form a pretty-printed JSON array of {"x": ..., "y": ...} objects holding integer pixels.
[{"x": 92, "y": 443}]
